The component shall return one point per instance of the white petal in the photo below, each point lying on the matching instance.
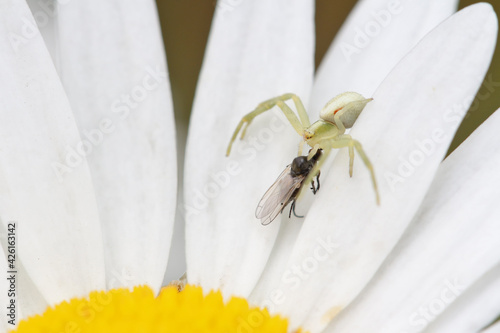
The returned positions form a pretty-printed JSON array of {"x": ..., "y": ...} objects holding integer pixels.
[
  {"x": 493, "y": 328},
  {"x": 29, "y": 300},
  {"x": 375, "y": 36},
  {"x": 412, "y": 107},
  {"x": 475, "y": 309},
  {"x": 20, "y": 298},
  {"x": 59, "y": 237},
  {"x": 256, "y": 50},
  {"x": 45, "y": 15},
  {"x": 454, "y": 241},
  {"x": 111, "y": 61}
]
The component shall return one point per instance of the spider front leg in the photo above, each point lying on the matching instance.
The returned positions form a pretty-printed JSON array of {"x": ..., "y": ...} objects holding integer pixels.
[
  {"x": 279, "y": 101},
  {"x": 313, "y": 151},
  {"x": 347, "y": 141}
]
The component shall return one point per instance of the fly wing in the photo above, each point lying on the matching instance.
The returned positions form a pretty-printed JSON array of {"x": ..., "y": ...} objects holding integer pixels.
[{"x": 277, "y": 196}]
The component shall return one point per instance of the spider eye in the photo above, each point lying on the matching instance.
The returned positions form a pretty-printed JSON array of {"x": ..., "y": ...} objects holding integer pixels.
[{"x": 308, "y": 135}]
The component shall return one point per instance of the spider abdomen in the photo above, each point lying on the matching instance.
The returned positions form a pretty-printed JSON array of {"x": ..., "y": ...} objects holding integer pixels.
[{"x": 347, "y": 105}]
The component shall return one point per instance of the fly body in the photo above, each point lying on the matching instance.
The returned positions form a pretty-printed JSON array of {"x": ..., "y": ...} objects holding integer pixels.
[{"x": 286, "y": 188}]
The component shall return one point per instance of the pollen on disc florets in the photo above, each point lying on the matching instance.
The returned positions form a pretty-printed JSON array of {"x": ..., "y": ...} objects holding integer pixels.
[{"x": 139, "y": 310}]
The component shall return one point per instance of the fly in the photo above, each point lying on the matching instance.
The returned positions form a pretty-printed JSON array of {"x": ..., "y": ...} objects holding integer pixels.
[{"x": 286, "y": 189}]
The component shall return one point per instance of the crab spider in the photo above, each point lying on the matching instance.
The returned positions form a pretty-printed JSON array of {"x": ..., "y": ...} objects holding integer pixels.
[{"x": 327, "y": 133}]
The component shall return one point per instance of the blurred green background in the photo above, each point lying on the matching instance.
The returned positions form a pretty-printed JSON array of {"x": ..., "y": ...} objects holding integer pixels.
[{"x": 186, "y": 24}]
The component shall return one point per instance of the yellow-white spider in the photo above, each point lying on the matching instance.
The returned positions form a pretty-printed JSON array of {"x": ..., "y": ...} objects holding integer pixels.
[{"x": 327, "y": 133}]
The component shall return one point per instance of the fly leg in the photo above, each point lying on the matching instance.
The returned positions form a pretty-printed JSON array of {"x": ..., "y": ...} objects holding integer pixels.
[
  {"x": 315, "y": 170},
  {"x": 292, "y": 208},
  {"x": 315, "y": 189}
]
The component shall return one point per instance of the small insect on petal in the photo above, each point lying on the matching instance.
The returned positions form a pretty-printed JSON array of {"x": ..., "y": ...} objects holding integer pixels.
[{"x": 287, "y": 188}]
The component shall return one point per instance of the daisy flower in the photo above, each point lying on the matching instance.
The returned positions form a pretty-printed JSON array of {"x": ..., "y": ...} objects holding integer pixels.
[{"x": 89, "y": 178}]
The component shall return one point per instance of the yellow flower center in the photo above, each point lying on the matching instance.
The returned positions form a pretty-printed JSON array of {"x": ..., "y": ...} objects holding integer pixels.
[{"x": 122, "y": 310}]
